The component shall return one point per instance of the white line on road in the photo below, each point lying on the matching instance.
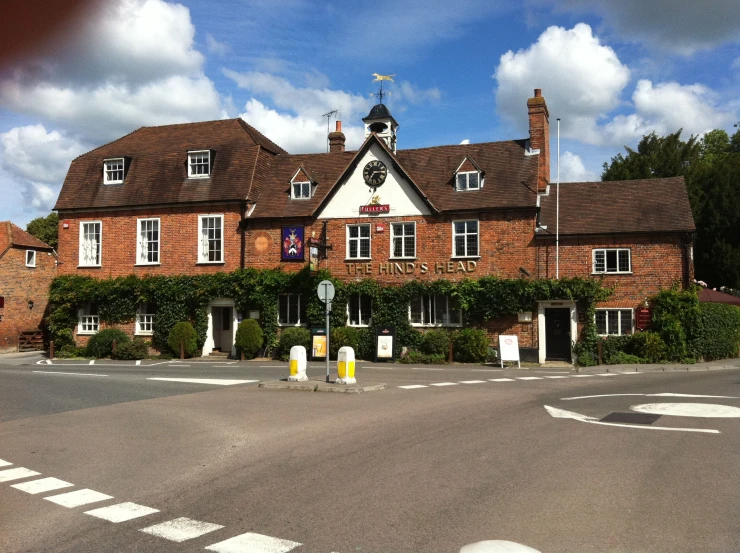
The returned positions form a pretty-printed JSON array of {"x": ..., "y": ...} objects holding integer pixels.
[
  {"x": 16, "y": 474},
  {"x": 665, "y": 394},
  {"x": 77, "y": 498},
  {"x": 181, "y": 529},
  {"x": 379, "y": 368},
  {"x": 253, "y": 543},
  {"x": 5, "y": 463},
  {"x": 215, "y": 381},
  {"x": 138, "y": 362},
  {"x": 412, "y": 387},
  {"x": 48, "y": 361},
  {"x": 606, "y": 374},
  {"x": 581, "y": 375},
  {"x": 70, "y": 374},
  {"x": 42, "y": 485},
  {"x": 272, "y": 367},
  {"x": 472, "y": 381},
  {"x": 92, "y": 362},
  {"x": 424, "y": 369},
  {"x": 529, "y": 378},
  {"x": 487, "y": 370},
  {"x": 444, "y": 384},
  {"x": 555, "y": 377},
  {"x": 501, "y": 380},
  {"x": 122, "y": 512}
]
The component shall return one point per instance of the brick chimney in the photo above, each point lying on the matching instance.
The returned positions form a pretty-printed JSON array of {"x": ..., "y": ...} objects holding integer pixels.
[
  {"x": 539, "y": 136},
  {"x": 337, "y": 139}
]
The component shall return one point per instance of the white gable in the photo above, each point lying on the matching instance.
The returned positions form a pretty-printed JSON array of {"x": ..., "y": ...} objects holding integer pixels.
[{"x": 395, "y": 191}]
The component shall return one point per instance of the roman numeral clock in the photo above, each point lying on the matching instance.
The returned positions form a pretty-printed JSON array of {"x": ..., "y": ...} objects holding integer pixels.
[{"x": 375, "y": 173}]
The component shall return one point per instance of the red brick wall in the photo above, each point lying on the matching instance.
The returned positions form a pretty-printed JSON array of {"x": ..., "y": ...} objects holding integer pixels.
[{"x": 18, "y": 284}]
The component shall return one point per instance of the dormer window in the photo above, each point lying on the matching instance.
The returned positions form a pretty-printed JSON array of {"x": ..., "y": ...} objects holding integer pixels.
[
  {"x": 301, "y": 190},
  {"x": 113, "y": 170},
  {"x": 468, "y": 176},
  {"x": 199, "y": 164}
]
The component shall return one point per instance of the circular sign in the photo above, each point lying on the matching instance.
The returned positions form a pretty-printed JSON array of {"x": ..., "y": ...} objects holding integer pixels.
[{"x": 326, "y": 291}]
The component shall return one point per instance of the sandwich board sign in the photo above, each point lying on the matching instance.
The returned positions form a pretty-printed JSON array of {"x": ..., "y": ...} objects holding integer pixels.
[{"x": 508, "y": 349}]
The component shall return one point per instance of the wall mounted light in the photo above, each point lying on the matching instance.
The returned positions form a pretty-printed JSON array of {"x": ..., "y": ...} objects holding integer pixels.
[{"x": 30, "y": 304}]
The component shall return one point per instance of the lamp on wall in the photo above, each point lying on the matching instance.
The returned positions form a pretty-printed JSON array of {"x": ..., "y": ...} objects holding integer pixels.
[{"x": 30, "y": 304}]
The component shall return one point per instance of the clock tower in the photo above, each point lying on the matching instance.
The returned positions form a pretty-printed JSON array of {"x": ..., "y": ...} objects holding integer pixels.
[{"x": 381, "y": 122}]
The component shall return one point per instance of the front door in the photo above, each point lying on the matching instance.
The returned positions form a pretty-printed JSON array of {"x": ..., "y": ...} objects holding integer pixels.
[
  {"x": 222, "y": 318},
  {"x": 557, "y": 334}
]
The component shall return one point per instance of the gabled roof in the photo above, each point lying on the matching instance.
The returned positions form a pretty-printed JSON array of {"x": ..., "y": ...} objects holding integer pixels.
[
  {"x": 469, "y": 160},
  {"x": 630, "y": 206},
  {"x": 713, "y": 296},
  {"x": 158, "y": 174},
  {"x": 13, "y": 235}
]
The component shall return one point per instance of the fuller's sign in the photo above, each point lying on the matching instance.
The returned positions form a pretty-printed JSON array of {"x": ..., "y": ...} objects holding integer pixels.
[{"x": 375, "y": 208}]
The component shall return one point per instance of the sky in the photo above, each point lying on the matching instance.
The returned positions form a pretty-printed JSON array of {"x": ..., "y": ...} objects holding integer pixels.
[{"x": 612, "y": 71}]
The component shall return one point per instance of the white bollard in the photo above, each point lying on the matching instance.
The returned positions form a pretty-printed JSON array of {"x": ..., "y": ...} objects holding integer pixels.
[
  {"x": 297, "y": 364},
  {"x": 346, "y": 366}
]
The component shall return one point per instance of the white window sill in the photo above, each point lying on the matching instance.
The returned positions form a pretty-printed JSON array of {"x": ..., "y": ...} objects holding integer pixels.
[
  {"x": 607, "y": 335},
  {"x": 211, "y": 263},
  {"x": 358, "y": 326},
  {"x": 30, "y": 266},
  {"x": 465, "y": 257},
  {"x": 144, "y": 334},
  {"x": 147, "y": 264},
  {"x": 112, "y": 182},
  {"x": 402, "y": 258},
  {"x": 358, "y": 259},
  {"x": 198, "y": 177},
  {"x": 441, "y": 325},
  {"x": 467, "y": 189},
  {"x": 612, "y": 273},
  {"x": 87, "y": 333},
  {"x": 294, "y": 198},
  {"x": 89, "y": 266},
  {"x": 287, "y": 325}
]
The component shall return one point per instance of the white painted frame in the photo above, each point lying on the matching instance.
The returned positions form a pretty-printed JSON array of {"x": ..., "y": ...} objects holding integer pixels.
[
  {"x": 403, "y": 239},
  {"x": 541, "y": 306},
  {"x": 32, "y": 262},
  {"x": 139, "y": 314},
  {"x": 81, "y": 259},
  {"x": 359, "y": 309},
  {"x": 454, "y": 235},
  {"x": 140, "y": 242},
  {"x": 288, "y": 325},
  {"x": 86, "y": 319},
  {"x": 447, "y": 310},
  {"x": 619, "y": 320},
  {"x": 468, "y": 188},
  {"x": 203, "y": 244},
  {"x": 191, "y": 162},
  {"x": 301, "y": 196},
  {"x": 106, "y": 170},
  {"x": 359, "y": 238},
  {"x": 209, "y": 344},
  {"x": 605, "y": 271}
]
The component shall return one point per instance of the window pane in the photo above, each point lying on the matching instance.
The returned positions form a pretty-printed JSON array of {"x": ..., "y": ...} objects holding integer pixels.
[
  {"x": 440, "y": 310},
  {"x": 427, "y": 309},
  {"x": 453, "y": 311},
  {"x": 612, "y": 320},
  {"x": 473, "y": 180},
  {"x": 460, "y": 245},
  {"x": 366, "y": 309},
  {"x": 364, "y": 247},
  {"x": 416, "y": 310},
  {"x": 283, "y": 309},
  {"x": 624, "y": 260},
  {"x": 397, "y": 246},
  {"x": 599, "y": 261},
  {"x": 472, "y": 244},
  {"x": 625, "y": 325},
  {"x": 611, "y": 261},
  {"x": 409, "y": 249},
  {"x": 292, "y": 309},
  {"x": 408, "y": 229},
  {"x": 601, "y": 322},
  {"x": 459, "y": 227},
  {"x": 306, "y": 189},
  {"x": 353, "y": 248},
  {"x": 365, "y": 231},
  {"x": 353, "y": 232},
  {"x": 461, "y": 181},
  {"x": 297, "y": 190},
  {"x": 354, "y": 310}
]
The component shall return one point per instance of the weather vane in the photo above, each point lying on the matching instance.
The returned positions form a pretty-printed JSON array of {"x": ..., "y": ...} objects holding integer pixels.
[{"x": 380, "y": 78}]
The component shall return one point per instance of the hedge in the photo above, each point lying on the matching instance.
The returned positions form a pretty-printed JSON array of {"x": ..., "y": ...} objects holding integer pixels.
[{"x": 718, "y": 334}]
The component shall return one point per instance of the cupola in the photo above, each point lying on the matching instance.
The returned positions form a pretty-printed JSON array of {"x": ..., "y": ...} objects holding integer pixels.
[{"x": 381, "y": 122}]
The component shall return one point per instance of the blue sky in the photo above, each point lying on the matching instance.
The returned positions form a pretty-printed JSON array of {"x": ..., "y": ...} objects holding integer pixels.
[{"x": 612, "y": 71}]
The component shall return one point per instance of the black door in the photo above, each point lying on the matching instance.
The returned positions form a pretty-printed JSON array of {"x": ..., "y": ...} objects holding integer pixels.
[{"x": 557, "y": 334}]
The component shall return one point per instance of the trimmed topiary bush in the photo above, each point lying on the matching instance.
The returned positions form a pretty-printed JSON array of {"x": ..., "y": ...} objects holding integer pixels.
[
  {"x": 343, "y": 336},
  {"x": 436, "y": 342},
  {"x": 134, "y": 350},
  {"x": 470, "y": 345},
  {"x": 365, "y": 344},
  {"x": 183, "y": 331},
  {"x": 101, "y": 345},
  {"x": 249, "y": 338},
  {"x": 294, "y": 336},
  {"x": 718, "y": 335}
]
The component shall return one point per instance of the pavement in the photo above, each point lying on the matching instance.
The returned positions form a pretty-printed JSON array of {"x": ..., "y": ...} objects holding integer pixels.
[{"x": 187, "y": 456}]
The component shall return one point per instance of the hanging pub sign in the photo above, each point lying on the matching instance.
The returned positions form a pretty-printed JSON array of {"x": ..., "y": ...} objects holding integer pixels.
[
  {"x": 385, "y": 342},
  {"x": 644, "y": 317},
  {"x": 313, "y": 260},
  {"x": 292, "y": 244}
]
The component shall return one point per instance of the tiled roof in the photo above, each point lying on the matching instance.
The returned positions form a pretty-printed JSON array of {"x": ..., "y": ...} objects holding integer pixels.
[
  {"x": 13, "y": 235},
  {"x": 158, "y": 166},
  {"x": 639, "y": 206}
]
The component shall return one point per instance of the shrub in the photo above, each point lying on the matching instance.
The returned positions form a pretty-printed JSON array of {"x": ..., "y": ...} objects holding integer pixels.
[
  {"x": 294, "y": 336},
  {"x": 492, "y": 356},
  {"x": 137, "y": 349},
  {"x": 613, "y": 346},
  {"x": 586, "y": 359},
  {"x": 470, "y": 345},
  {"x": 649, "y": 346},
  {"x": 622, "y": 358},
  {"x": 164, "y": 356},
  {"x": 249, "y": 338},
  {"x": 414, "y": 357},
  {"x": 69, "y": 351},
  {"x": 365, "y": 344},
  {"x": 435, "y": 342},
  {"x": 718, "y": 333},
  {"x": 183, "y": 332},
  {"x": 101, "y": 344},
  {"x": 343, "y": 336}
]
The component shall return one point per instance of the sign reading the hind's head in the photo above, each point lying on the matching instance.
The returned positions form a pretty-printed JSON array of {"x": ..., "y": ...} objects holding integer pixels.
[{"x": 292, "y": 244}]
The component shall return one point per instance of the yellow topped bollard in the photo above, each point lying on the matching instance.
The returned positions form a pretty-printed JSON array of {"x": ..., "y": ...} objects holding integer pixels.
[
  {"x": 297, "y": 364},
  {"x": 346, "y": 366}
]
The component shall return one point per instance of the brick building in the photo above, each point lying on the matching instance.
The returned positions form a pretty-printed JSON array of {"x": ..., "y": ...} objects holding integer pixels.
[
  {"x": 218, "y": 196},
  {"x": 27, "y": 267}
]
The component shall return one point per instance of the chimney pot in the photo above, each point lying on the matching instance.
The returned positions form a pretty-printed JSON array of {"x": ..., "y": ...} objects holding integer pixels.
[
  {"x": 537, "y": 92},
  {"x": 337, "y": 139},
  {"x": 339, "y": 126}
]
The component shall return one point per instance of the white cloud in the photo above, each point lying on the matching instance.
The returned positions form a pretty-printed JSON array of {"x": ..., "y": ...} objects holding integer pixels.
[
  {"x": 414, "y": 95},
  {"x": 573, "y": 170},
  {"x": 581, "y": 79},
  {"x": 216, "y": 47}
]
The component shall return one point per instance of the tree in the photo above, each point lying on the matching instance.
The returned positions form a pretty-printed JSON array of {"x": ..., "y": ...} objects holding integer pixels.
[
  {"x": 711, "y": 167},
  {"x": 45, "y": 229}
]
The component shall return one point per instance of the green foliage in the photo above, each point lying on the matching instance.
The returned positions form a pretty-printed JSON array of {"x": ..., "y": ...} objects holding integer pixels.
[
  {"x": 470, "y": 345},
  {"x": 249, "y": 338},
  {"x": 614, "y": 346},
  {"x": 183, "y": 332},
  {"x": 136, "y": 349},
  {"x": 70, "y": 351},
  {"x": 101, "y": 344},
  {"x": 293, "y": 336},
  {"x": 436, "y": 342},
  {"x": 718, "y": 336},
  {"x": 648, "y": 346},
  {"x": 365, "y": 344},
  {"x": 45, "y": 229},
  {"x": 675, "y": 319},
  {"x": 622, "y": 358},
  {"x": 414, "y": 357},
  {"x": 344, "y": 336}
]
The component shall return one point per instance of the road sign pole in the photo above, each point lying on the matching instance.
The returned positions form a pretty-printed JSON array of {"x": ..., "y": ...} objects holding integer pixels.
[
  {"x": 326, "y": 294},
  {"x": 328, "y": 338}
]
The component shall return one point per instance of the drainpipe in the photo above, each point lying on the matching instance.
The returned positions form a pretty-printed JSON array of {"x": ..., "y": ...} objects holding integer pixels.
[{"x": 243, "y": 228}]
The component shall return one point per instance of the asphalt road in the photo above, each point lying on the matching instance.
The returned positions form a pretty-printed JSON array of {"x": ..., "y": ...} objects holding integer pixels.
[{"x": 423, "y": 469}]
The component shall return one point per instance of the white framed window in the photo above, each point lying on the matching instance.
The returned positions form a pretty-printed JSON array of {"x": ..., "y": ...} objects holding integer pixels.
[
  {"x": 199, "y": 164},
  {"x": 465, "y": 238},
  {"x": 91, "y": 239},
  {"x": 434, "y": 310},
  {"x": 300, "y": 190},
  {"x": 616, "y": 322},
  {"x": 144, "y": 319},
  {"x": 113, "y": 171},
  {"x": 358, "y": 241},
  {"x": 147, "y": 244},
  {"x": 359, "y": 309},
  {"x": 291, "y": 310},
  {"x": 30, "y": 258},
  {"x": 88, "y": 321},
  {"x": 612, "y": 260},
  {"x": 211, "y": 237},
  {"x": 403, "y": 240},
  {"x": 468, "y": 180}
]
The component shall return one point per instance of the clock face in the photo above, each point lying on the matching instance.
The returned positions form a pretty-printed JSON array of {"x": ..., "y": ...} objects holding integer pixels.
[{"x": 375, "y": 173}]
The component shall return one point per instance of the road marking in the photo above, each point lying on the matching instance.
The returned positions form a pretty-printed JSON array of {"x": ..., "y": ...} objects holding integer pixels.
[
  {"x": 69, "y": 374},
  {"x": 630, "y": 372},
  {"x": 215, "y": 381},
  {"x": 276, "y": 367},
  {"x": 497, "y": 546},
  {"x": 138, "y": 362},
  {"x": 92, "y": 362},
  {"x": 704, "y": 410},
  {"x": 181, "y": 529},
  {"x": 380, "y": 368},
  {"x": 555, "y": 377},
  {"x": 77, "y": 498},
  {"x": 253, "y": 543},
  {"x": 501, "y": 380},
  {"x": 412, "y": 387},
  {"x": 606, "y": 374},
  {"x": 424, "y": 369},
  {"x": 600, "y": 395},
  {"x": 48, "y": 361},
  {"x": 581, "y": 375},
  {"x": 42, "y": 485},
  {"x": 563, "y": 414},
  {"x": 444, "y": 384},
  {"x": 666, "y": 394},
  {"x": 487, "y": 370},
  {"x": 5, "y": 463},
  {"x": 529, "y": 378},
  {"x": 16, "y": 474},
  {"x": 472, "y": 381},
  {"x": 122, "y": 512}
]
